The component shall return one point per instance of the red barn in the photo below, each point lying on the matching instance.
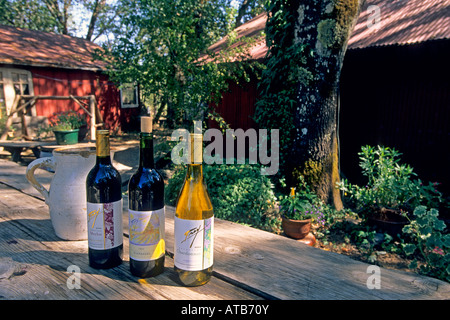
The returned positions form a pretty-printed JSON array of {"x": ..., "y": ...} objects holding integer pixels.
[{"x": 47, "y": 64}]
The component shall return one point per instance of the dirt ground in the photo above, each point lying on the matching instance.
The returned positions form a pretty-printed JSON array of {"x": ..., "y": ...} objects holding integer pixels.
[{"x": 336, "y": 243}]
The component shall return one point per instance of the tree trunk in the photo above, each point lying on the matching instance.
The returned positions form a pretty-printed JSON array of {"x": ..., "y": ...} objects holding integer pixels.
[
  {"x": 99, "y": 5},
  {"x": 307, "y": 41},
  {"x": 325, "y": 26}
]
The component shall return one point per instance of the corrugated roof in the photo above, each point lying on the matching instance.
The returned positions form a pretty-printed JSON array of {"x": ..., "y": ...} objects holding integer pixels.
[
  {"x": 400, "y": 22},
  {"x": 44, "y": 49},
  {"x": 250, "y": 29}
]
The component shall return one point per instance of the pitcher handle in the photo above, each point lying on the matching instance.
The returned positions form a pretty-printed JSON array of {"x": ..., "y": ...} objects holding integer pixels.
[{"x": 48, "y": 162}]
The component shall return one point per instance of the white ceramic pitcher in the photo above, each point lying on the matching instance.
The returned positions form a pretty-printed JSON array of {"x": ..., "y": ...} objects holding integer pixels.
[{"x": 66, "y": 196}]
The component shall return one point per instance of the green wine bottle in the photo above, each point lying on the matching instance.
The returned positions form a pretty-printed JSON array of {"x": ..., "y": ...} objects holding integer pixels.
[
  {"x": 104, "y": 208},
  {"x": 146, "y": 210}
]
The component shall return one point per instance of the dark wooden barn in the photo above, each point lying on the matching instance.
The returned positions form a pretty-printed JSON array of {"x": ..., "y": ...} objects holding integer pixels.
[{"x": 395, "y": 88}]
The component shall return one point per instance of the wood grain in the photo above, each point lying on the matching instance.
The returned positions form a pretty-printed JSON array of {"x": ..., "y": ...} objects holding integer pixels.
[
  {"x": 248, "y": 263},
  {"x": 34, "y": 263}
]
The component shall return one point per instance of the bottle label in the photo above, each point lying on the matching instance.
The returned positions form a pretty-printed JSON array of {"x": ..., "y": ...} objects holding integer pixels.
[
  {"x": 194, "y": 244},
  {"x": 104, "y": 225},
  {"x": 147, "y": 234}
]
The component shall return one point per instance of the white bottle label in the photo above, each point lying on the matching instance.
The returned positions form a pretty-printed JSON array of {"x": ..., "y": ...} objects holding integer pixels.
[
  {"x": 104, "y": 225},
  {"x": 147, "y": 234},
  {"x": 194, "y": 244}
]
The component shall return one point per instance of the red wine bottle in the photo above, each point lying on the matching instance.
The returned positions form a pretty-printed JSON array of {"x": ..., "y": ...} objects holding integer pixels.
[{"x": 104, "y": 208}]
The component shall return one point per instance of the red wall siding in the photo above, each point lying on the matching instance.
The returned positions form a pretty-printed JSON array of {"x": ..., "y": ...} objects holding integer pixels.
[
  {"x": 237, "y": 106},
  {"x": 65, "y": 82}
]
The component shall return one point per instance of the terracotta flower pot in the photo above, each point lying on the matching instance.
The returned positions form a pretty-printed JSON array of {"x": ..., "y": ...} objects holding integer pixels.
[{"x": 296, "y": 229}]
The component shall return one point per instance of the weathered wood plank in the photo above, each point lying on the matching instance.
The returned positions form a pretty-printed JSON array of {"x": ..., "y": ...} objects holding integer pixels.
[
  {"x": 34, "y": 262},
  {"x": 13, "y": 175},
  {"x": 288, "y": 269}
]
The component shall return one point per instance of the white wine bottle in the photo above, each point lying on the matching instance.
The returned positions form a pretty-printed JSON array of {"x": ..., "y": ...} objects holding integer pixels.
[
  {"x": 104, "y": 208},
  {"x": 146, "y": 210},
  {"x": 194, "y": 224}
]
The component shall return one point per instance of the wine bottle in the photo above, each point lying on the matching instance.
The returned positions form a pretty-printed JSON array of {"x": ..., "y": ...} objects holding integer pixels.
[
  {"x": 104, "y": 208},
  {"x": 194, "y": 224},
  {"x": 146, "y": 210}
]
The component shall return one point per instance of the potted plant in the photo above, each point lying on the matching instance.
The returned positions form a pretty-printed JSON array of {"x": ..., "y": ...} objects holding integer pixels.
[
  {"x": 391, "y": 191},
  {"x": 66, "y": 127},
  {"x": 298, "y": 211}
]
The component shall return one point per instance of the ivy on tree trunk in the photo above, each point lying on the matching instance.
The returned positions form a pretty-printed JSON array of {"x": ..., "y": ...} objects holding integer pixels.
[{"x": 299, "y": 94}]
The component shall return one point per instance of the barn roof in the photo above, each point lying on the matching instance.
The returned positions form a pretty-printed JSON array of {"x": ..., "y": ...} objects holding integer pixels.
[
  {"x": 45, "y": 49},
  {"x": 401, "y": 22}
]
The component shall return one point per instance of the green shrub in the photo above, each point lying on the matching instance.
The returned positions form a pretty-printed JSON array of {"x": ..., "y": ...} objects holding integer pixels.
[
  {"x": 238, "y": 193},
  {"x": 390, "y": 183},
  {"x": 429, "y": 243}
]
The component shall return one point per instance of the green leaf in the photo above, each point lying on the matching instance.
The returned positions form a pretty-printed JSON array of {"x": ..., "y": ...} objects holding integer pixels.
[
  {"x": 413, "y": 264},
  {"x": 446, "y": 240},
  {"x": 420, "y": 211},
  {"x": 409, "y": 249},
  {"x": 439, "y": 225}
]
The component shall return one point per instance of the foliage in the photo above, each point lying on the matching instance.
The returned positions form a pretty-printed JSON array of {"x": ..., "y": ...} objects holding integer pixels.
[
  {"x": 163, "y": 46},
  {"x": 67, "y": 120},
  {"x": 58, "y": 16},
  {"x": 429, "y": 243},
  {"x": 248, "y": 9},
  {"x": 390, "y": 183},
  {"x": 238, "y": 193},
  {"x": 301, "y": 205},
  {"x": 286, "y": 65},
  {"x": 31, "y": 14}
]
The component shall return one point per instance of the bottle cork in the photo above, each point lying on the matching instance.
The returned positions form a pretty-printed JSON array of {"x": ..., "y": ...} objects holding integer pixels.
[{"x": 146, "y": 124}]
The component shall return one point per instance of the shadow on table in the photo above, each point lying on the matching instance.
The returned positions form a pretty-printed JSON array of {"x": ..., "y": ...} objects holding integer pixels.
[{"x": 24, "y": 239}]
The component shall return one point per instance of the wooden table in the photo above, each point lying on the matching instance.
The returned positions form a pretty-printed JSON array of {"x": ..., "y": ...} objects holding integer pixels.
[
  {"x": 249, "y": 264},
  {"x": 17, "y": 147}
]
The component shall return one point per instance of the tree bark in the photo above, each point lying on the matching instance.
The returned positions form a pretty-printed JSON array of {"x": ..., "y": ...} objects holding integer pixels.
[
  {"x": 60, "y": 15},
  {"x": 99, "y": 5},
  {"x": 325, "y": 26},
  {"x": 299, "y": 89}
]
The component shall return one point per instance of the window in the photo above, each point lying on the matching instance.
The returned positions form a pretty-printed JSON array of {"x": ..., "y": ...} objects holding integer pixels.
[
  {"x": 20, "y": 83},
  {"x": 129, "y": 97},
  {"x": 12, "y": 83}
]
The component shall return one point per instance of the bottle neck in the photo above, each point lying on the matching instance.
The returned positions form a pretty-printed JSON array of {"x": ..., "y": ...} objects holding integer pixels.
[
  {"x": 146, "y": 159},
  {"x": 194, "y": 172},
  {"x": 103, "y": 149}
]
